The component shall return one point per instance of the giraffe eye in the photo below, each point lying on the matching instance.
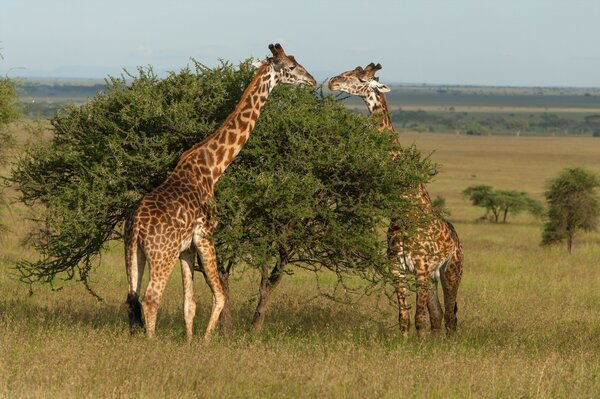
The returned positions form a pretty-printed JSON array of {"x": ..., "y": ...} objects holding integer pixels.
[{"x": 292, "y": 67}]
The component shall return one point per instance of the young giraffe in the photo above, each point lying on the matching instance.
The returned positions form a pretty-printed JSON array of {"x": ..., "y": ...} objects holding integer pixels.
[
  {"x": 178, "y": 217},
  {"x": 435, "y": 251}
]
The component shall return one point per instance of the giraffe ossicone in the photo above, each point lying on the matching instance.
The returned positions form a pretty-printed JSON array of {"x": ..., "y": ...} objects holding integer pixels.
[
  {"x": 434, "y": 252},
  {"x": 178, "y": 217}
]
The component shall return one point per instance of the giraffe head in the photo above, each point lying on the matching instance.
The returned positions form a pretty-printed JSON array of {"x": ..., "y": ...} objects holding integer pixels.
[
  {"x": 359, "y": 82},
  {"x": 287, "y": 69}
]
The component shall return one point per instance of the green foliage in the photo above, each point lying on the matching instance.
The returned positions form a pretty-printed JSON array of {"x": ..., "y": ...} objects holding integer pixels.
[
  {"x": 313, "y": 186},
  {"x": 8, "y": 113},
  {"x": 500, "y": 203},
  {"x": 8, "y": 98},
  {"x": 573, "y": 205}
]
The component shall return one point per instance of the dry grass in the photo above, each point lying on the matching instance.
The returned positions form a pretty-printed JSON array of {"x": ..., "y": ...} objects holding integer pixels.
[{"x": 529, "y": 317}]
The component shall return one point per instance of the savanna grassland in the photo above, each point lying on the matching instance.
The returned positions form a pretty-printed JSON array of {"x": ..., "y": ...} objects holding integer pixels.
[{"x": 529, "y": 317}]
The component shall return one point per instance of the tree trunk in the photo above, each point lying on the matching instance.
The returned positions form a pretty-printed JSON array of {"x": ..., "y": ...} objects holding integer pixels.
[
  {"x": 505, "y": 214},
  {"x": 570, "y": 244},
  {"x": 268, "y": 282}
]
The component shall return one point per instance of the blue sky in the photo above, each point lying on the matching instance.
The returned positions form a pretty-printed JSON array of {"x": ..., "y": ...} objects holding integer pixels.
[{"x": 508, "y": 42}]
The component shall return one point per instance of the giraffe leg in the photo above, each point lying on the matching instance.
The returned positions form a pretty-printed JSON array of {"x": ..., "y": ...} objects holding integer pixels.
[
  {"x": 403, "y": 313},
  {"x": 421, "y": 308},
  {"x": 160, "y": 269},
  {"x": 450, "y": 282},
  {"x": 189, "y": 302},
  {"x": 206, "y": 247},
  {"x": 135, "y": 260},
  {"x": 434, "y": 307}
]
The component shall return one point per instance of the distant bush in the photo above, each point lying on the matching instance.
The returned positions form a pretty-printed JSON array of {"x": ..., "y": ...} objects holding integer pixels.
[
  {"x": 573, "y": 206},
  {"x": 476, "y": 129},
  {"x": 499, "y": 204}
]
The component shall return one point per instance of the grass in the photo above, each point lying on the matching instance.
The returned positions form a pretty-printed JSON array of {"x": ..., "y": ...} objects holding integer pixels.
[{"x": 529, "y": 317}]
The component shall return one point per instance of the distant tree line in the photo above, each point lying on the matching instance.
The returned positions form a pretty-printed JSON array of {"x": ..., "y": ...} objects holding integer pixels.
[
  {"x": 481, "y": 123},
  {"x": 68, "y": 90}
]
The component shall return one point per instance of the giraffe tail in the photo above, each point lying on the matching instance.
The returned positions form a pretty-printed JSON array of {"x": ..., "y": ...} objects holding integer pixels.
[{"x": 134, "y": 264}]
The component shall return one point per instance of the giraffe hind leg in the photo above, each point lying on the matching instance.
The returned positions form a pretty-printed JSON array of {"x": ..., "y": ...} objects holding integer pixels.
[
  {"x": 450, "y": 283},
  {"x": 160, "y": 269},
  {"x": 206, "y": 247},
  {"x": 189, "y": 302}
]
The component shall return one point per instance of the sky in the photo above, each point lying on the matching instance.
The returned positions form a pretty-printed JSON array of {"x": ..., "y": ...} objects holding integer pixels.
[{"x": 464, "y": 42}]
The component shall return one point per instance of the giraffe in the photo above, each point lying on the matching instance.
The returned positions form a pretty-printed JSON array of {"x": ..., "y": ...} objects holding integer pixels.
[
  {"x": 434, "y": 253},
  {"x": 178, "y": 217}
]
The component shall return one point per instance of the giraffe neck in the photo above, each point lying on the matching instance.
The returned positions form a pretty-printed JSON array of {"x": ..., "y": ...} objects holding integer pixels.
[
  {"x": 378, "y": 108},
  {"x": 377, "y": 104},
  {"x": 217, "y": 151}
]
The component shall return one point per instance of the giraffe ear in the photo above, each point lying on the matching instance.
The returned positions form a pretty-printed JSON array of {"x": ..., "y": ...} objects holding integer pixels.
[{"x": 379, "y": 86}]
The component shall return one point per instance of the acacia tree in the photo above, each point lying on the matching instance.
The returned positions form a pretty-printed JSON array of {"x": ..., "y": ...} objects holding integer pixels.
[
  {"x": 499, "y": 204},
  {"x": 573, "y": 206},
  {"x": 315, "y": 184},
  {"x": 312, "y": 187}
]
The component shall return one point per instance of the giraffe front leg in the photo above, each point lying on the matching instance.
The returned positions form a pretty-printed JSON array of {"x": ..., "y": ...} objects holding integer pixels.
[
  {"x": 434, "y": 307},
  {"x": 189, "y": 302},
  {"x": 421, "y": 309},
  {"x": 206, "y": 248}
]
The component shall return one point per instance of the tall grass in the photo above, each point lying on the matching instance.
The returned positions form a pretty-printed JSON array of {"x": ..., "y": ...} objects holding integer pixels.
[{"x": 529, "y": 317}]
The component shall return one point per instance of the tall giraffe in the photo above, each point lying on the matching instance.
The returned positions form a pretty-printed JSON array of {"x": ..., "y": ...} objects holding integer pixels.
[
  {"x": 434, "y": 252},
  {"x": 178, "y": 217}
]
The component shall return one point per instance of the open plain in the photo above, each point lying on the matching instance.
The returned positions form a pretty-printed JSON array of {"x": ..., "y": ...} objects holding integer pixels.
[{"x": 529, "y": 316}]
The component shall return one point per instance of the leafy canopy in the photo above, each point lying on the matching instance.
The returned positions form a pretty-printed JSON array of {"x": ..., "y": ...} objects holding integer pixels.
[{"x": 313, "y": 186}]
